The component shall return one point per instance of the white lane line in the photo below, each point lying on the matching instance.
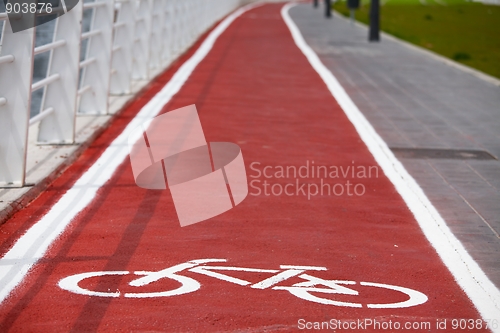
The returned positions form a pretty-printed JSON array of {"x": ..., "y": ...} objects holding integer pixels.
[
  {"x": 470, "y": 277},
  {"x": 32, "y": 246}
]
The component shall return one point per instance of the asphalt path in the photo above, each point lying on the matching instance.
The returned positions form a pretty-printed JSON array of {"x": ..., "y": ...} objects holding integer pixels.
[{"x": 339, "y": 246}]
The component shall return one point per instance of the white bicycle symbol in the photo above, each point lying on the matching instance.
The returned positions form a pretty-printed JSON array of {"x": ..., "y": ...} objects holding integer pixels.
[{"x": 301, "y": 290}]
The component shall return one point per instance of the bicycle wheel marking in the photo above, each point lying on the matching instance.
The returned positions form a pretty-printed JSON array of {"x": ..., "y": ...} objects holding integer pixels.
[
  {"x": 302, "y": 290},
  {"x": 416, "y": 297},
  {"x": 70, "y": 283}
]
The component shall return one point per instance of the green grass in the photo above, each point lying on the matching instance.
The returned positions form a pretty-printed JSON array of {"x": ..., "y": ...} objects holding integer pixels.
[{"x": 466, "y": 32}]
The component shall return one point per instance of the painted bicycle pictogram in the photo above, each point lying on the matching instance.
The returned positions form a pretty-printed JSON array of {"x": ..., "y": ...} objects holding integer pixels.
[{"x": 308, "y": 289}]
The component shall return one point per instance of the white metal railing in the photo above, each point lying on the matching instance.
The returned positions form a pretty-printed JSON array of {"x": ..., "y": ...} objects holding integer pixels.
[
  {"x": 45, "y": 82},
  {"x": 41, "y": 115},
  {"x": 49, "y": 46},
  {"x": 6, "y": 59},
  {"x": 128, "y": 40}
]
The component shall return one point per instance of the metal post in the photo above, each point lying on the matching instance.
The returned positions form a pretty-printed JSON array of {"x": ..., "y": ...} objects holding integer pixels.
[
  {"x": 121, "y": 64},
  {"x": 328, "y": 8},
  {"x": 192, "y": 20},
  {"x": 315, "y": 3},
  {"x": 184, "y": 25},
  {"x": 177, "y": 28},
  {"x": 156, "y": 35},
  {"x": 374, "y": 33},
  {"x": 61, "y": 95},
  {"x": 168, "y": 49},
  {"x": 16, "y": 73},
  {"x": 96, "y": 74},
  {"x": 142, "y": 33},
  {"x": 353, "y": 5},
  {"x": 167, "y": 55}
]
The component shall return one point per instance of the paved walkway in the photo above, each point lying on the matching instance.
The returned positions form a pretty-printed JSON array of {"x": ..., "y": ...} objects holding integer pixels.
[
  {"x": 96, "y": 252},
  {"x": 417, "y": 101}
]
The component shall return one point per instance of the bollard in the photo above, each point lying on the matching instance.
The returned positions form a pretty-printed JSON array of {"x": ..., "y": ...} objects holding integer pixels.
[
  {"x": 328, "y": 8},
  {"x": 353, "y": 5},
  {"x": 374, "y": 33}
]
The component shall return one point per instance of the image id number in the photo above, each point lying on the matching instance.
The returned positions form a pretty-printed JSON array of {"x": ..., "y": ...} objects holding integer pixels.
[
  {"x": 26, "y": 7},
  {"x": 474, "y": 324}
]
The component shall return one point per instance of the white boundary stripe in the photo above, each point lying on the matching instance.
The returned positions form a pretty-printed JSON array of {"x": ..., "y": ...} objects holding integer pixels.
[
  {"x": 32, "y": 246},
  {"x": 467, "y": 273}
]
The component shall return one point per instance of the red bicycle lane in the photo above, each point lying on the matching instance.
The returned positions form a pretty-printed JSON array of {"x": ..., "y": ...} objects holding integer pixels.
[{"x": 254, "y": 88}]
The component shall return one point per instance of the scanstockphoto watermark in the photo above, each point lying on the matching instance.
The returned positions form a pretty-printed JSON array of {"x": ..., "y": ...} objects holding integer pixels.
[
  {"x": 310, "y": 179},
  {"x": 363, "y": 324},
  {"x": 373, "y": 324}
]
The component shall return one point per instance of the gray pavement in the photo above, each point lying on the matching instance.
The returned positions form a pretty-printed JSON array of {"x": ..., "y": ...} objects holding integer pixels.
[{"x": 416, "y": 100}]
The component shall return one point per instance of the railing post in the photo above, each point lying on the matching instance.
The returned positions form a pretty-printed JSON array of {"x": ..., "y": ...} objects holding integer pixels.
[
  {"x": 61, "y": 95},
  {"x": 16, "y": 74},
  {"x": 185, "y": 24},
  {"x": 121, "y": 65},
  {"x": 97, "y": 65},
  {"x": 192, "y": 20},
  {"x": 141, "y": 47},
  {"x": 208, "y": 10},
  {"x": 166, "y": 49},
  {"x": 199, "y": 17},
  {"x": 156, "y": 34},
  {"x": 173, "y": 28},
  {"x": 178, "y": 27}
]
